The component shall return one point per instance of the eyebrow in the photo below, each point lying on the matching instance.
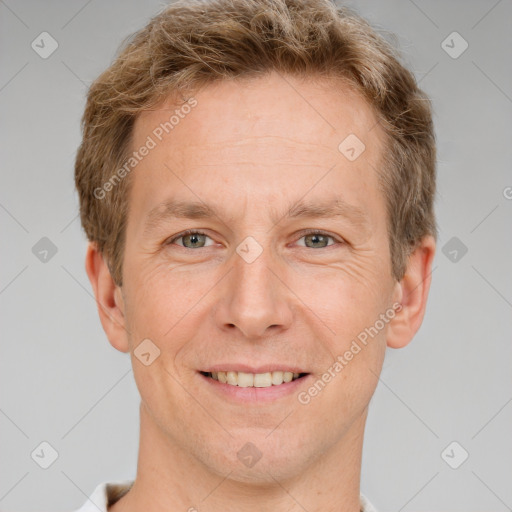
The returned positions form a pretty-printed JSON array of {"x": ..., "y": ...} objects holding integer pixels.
[{"x": 175, "y": 209}]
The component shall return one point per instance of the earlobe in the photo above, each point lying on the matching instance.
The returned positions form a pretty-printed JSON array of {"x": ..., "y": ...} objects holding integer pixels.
[
  {"x": 413, "y": 292},
  {"x": 109, "y": 299}
]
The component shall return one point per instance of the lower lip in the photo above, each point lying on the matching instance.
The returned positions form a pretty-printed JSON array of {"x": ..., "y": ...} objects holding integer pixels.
[{"x": 254, "y": 395}]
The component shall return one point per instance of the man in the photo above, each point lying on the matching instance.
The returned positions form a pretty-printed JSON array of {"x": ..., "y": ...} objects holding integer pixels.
[{"x": 256, "y": 180}]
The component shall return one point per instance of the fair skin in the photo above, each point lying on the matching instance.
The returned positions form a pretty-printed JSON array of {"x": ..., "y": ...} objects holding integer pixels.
[{"x": 252, "y": 151}]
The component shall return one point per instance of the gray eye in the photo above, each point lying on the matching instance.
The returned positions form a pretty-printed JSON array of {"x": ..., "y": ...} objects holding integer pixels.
[
  {"x": 316, "y": 240},
  {"x": 196, "y": 240}
]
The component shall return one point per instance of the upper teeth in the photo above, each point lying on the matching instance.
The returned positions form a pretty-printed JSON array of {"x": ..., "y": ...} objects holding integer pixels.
[{"x": 257, "y": 380}]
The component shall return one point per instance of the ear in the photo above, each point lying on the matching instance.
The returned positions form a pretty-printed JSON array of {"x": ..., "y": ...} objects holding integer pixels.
[
  {"x": 109, "y": 299},
  {"x": 412, "y": 293}
]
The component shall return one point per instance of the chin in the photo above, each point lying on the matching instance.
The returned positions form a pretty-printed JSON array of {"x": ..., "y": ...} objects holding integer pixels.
[{"x": 260, "y": 457}]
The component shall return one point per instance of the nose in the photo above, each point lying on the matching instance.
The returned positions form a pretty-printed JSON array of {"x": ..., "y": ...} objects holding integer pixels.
[{"x": 255, "y": 299}]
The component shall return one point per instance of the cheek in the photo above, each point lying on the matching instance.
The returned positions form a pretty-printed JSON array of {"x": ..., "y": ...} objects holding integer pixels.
[
  {"x": 360, "y": 310},
  {"x": 161, "y": 298},
  {"x": 346, "y": 297},
  {"x": 349, "y": 379},
  {"x": 353, "y": 303}
]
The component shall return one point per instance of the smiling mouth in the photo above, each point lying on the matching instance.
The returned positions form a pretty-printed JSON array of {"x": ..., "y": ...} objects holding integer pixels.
[{"x": 254, "y": 380}]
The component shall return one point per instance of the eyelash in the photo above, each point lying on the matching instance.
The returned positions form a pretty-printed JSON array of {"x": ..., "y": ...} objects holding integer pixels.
[{"x": 303, "y": 234}]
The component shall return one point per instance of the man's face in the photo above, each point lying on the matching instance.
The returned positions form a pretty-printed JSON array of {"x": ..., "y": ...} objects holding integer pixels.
[{"x": 252, "y": 290}]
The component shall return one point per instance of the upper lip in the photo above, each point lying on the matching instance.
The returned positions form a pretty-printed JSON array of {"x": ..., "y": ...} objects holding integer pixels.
[{"x": 265, "y": 368}]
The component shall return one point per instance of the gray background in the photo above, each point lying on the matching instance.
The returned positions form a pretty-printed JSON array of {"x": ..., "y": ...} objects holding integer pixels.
[{"x": 63, "y": 383}]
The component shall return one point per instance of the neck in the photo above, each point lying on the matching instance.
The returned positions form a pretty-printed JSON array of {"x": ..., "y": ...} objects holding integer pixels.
[{"x": 169, "y": 478}]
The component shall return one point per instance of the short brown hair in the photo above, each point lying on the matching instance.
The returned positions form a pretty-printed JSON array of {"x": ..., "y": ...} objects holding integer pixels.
[{"x": 195, "y": 42}]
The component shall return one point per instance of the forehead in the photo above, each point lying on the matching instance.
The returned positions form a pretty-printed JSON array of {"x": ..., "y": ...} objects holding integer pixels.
[
  {"x": 267, "y": 139},
  {"x": 315, "y": 112}
]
